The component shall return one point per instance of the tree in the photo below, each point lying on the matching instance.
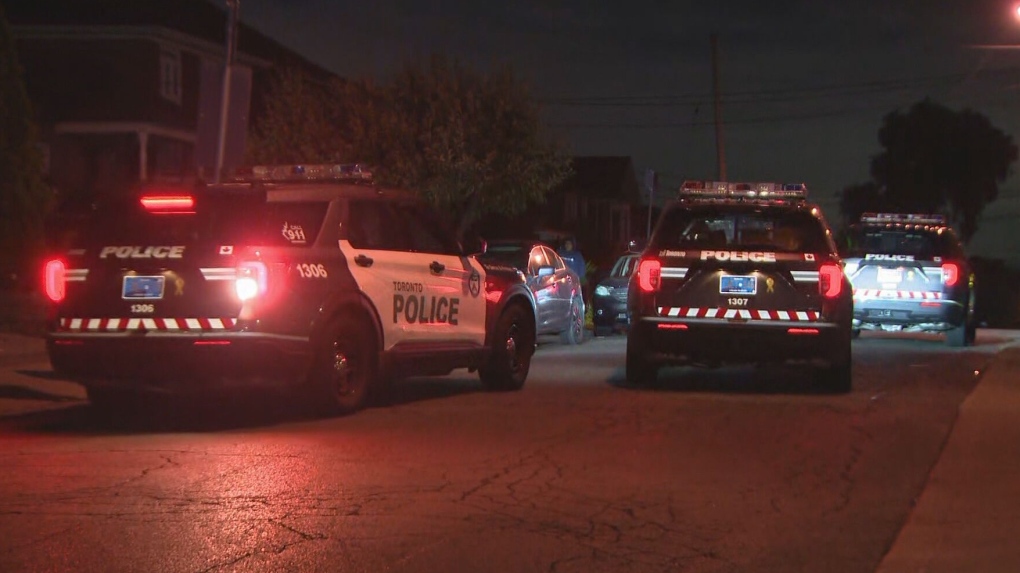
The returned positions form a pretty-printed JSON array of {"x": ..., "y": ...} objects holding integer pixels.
[
  {"x": 937, "y": 159},
  {"x": 24, "y": 197},
  {"x": 860, "y": 198},
  {"x": 469, "y": 143}
]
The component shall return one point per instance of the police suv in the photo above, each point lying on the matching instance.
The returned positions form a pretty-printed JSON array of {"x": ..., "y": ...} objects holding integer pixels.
[
  {"x": 310, "y": 274},
  {"x": 910, "y": 273},
  {"x": 740, "y": 273}
]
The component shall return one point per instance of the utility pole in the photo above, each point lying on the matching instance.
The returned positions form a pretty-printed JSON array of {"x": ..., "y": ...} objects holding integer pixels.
[
  {"x": 720, "y": 148},
  {"x": 233, "y": 7}
]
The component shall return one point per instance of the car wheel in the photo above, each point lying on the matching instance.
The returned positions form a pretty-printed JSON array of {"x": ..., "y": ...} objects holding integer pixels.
[
  {"x": 837, "y": 376},
  {"x": 345, "y": 366},
  {"x": 855, "y": 333},
  {"x": 957, "y": 337},
  {"x": 641, "y": 371},
  {"x": 574, "y": 334},
  {"x": 513, "y": 342}
]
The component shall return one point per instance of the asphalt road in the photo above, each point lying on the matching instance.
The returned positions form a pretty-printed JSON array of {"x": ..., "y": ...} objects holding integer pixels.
[{"x": 724, "y": 470}]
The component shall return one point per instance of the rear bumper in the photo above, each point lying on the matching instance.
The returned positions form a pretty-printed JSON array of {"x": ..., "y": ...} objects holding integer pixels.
[
  {"x": 179, "y": 361},
  {"x": 718, "y": 341},
  {"x": 925, "y": 314}
]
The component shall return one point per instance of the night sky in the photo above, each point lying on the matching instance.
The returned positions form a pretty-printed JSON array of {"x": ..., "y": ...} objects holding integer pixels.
[{"x": 806, "y": 82}]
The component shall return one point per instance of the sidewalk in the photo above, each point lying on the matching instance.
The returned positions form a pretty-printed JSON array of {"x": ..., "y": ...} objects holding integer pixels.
[{"x": 968, "y": 517}]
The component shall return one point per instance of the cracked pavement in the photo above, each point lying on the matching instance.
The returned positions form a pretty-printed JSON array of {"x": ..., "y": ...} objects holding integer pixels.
[{"x": 726, "y": 470}]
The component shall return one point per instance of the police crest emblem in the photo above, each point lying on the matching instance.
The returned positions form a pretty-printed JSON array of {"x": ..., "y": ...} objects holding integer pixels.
[{"x": 475, "y": 283}]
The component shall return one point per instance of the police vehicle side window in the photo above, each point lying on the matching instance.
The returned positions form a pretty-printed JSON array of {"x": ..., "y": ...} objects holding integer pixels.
[
  {"x": 375, "y": 225},
  {"x": 426, "y": 233}
]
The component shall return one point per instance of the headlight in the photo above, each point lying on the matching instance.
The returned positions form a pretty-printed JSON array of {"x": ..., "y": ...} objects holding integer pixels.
[{"x": 603, "y": 291}]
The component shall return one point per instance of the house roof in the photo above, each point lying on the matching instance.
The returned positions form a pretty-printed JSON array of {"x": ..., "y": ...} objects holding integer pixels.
[
  {"x": 603, "y": 177},
  {"x": 197, "y": 18}
]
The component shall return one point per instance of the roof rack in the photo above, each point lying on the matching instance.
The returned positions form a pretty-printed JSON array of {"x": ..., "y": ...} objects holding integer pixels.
[
  {"x": 723, "y": 190},
  {"x": 355, "y": 172},
  {"x": 904, "y": 218}
]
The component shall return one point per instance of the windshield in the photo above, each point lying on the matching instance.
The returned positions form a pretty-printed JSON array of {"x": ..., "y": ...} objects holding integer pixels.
[
  {"x": 716, "y": 227},
  {"x": 922, "y": 244},
  {"x": 624, "y": 267}
]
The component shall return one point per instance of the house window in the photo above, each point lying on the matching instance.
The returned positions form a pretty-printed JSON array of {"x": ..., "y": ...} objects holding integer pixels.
[{"x": 170, "y": 75}]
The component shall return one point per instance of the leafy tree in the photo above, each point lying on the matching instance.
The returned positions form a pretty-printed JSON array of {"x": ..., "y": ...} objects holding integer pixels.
[
  {"x": 470, "y": 143},
  {"x": 24, "y": 197},
  {"x": 860, "y": 198},
  {"x": 938, "y": 159}
]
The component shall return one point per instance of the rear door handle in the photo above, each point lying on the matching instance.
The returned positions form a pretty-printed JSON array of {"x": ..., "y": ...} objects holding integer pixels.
[
  {"x": 363, "y": 261},
  {"x": 437, "y": 267}
]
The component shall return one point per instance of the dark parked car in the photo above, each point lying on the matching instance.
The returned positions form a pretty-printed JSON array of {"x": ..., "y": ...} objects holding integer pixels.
[
  {"x": 557, "y": 289},
  {"x": 609, "y": 302}
]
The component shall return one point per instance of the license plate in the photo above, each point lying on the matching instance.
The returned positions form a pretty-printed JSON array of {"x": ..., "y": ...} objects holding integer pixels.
[
  {"x": 889, "y": 275},
  {"x": 143, "y": 288},
  {"x": 732, "y": 284}
]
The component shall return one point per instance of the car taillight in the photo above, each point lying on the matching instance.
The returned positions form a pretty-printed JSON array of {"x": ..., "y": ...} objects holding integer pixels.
[
  {"x": 251, "y": 280},
  {"x": 161, "y": 204},
  {"x": 649, "y": 275},
  {"x": 53, "y": 280},
  {"x": 830, "y": 280},
  {"x": 950, "y": 274}
]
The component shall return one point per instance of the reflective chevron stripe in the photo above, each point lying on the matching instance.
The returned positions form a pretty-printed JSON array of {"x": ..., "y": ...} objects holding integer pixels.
[
  {"x": 146, "y": 324},
  {"x": 739, "y": 313}
]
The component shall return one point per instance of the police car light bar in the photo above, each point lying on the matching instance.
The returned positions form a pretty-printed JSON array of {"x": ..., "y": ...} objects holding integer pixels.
[
  {"x": 309, "y": 172},
  {"x": 726, "y": 190},
  {"x": 908, "y": 218}
]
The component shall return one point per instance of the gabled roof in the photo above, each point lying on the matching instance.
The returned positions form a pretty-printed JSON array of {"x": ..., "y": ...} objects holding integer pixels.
[
  {"x": 603, "y": 177},
  {"x": 201, "y": 19}
]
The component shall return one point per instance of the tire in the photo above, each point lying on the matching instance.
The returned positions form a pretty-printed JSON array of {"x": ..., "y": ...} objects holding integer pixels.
[
  {"x": 346, "y": 366},
  {"x": 574, "y": 334},
  {"x": 513, "y": 343},
  {"x": 641, "y": 372},
  {"x": 855, "y": 333},
  {"x": 964, "y": 334},
  {"x": 837, "y": 376},
  {"x": 957, "y": 337}
]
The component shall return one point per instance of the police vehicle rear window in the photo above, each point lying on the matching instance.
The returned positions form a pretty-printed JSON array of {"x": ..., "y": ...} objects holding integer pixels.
[
  {"x": 233, "y": 221},
  {"x": 920, "y": 243},
  {"x": 508, "y": 254},
  {"x": 624, "y": 267},
  {"x": 714, "y": 228}
]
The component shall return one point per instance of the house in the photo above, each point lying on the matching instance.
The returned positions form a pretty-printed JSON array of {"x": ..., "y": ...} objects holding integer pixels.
[
  {"x": 126, "y": 91},
  {"x": 600, "y": 204}
]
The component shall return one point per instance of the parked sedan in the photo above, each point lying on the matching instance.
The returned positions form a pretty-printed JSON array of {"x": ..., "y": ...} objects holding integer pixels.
[
  {"x": 557, "y": 289},
  {"x": 610, "y": 299}
]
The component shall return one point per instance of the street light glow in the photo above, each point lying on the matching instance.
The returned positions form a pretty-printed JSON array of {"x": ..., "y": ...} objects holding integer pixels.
[{"x": 1016, "y": 11}]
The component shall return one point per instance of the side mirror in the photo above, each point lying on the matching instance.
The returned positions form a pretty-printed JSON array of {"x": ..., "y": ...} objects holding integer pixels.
[
  {"x": 475, "y": 246},
  {"x": 545, "y": 271}
]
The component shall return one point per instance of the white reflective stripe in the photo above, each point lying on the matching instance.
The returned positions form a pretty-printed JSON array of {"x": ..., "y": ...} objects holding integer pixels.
[
  {"x": 149, "y": 324},
  {"x": 692, "y": 312},
  {"x": 675, "y": 311},
  {"x": 673, "y": 272},
  {"x": 75, "y": 275},
  {"x": 216, "y": 324},
  {"x": 745, "y": 314},
  {"x": 730, "y": 313},
  {"x": 219, "y": 273},
  {"x": 170, "y": 323},
  {"x": 114, "y": 324},
  {"x": 93, "y": 324},
  {"x": 764, "y": 315},
  {"x": 133, "y": 323},
  {"x": 75, "y": 324},
  {"x": 802, "y": 315},
  {"x": 783, "y": 315},
  {"x": 192, "y": 323},
  {"x": 805, "y": 276}
]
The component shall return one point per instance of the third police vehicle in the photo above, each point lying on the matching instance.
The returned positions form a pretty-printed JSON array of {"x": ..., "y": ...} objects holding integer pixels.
[
  {"x": 304, "y": 273},
  {"x": 910, "y": 273},
  {"x": 740, "y": 273}
]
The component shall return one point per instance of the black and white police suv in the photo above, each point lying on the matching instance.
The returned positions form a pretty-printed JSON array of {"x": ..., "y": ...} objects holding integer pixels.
[
  {"x": 304, "y": 273},
  {"x": 740, "y": 273},
  {"x": 910, "y": 273}
]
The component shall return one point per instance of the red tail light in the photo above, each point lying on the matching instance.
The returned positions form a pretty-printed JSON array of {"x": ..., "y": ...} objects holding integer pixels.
[
  {"x": 830, "y": 280},
  {"x": 169, "y": 203},
  {"x": 252, "y": 280},
  {"x": 650, "y": 275},
  {"x": 950, "y": 274},
  {"x": 53, "y": 280}
]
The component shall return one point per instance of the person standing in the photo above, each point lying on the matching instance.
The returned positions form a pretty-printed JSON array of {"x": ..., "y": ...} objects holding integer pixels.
[{"x": 574, "y": 259}]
